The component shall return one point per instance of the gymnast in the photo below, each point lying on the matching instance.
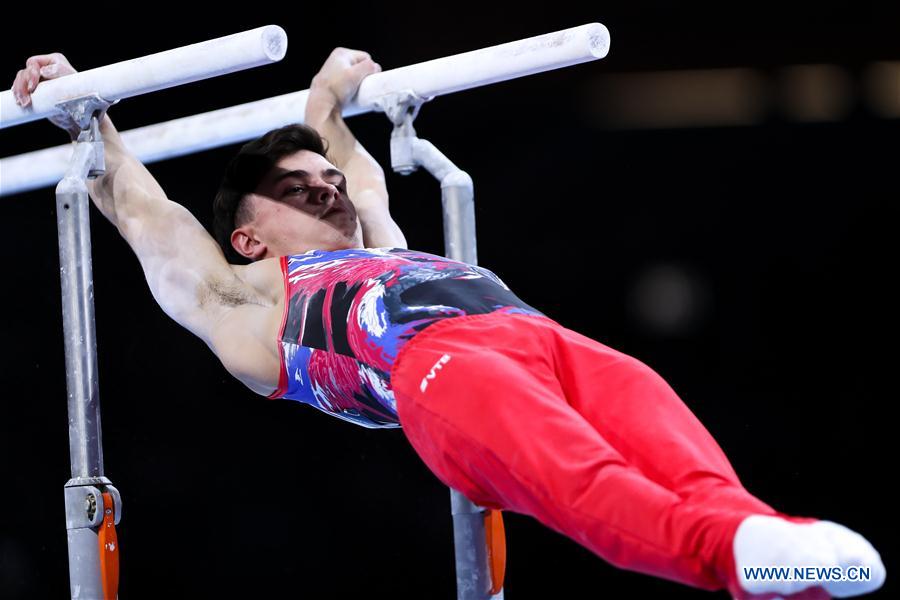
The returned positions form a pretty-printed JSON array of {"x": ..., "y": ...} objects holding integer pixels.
[{"x": 500, "y": 401}]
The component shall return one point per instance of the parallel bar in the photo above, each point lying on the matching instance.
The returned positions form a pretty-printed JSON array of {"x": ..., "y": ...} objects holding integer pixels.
[
  {"x": 161, "y": 141},
  {"x": 247, "y": 121},
  {"x": 150, "y": 73},
  {"x": 490, "y": 65}
]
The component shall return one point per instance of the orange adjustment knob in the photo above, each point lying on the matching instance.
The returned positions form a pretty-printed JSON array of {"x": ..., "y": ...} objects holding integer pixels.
[
  {"x": 109, "y": 550},
  {"x": 495, "y": 536}
]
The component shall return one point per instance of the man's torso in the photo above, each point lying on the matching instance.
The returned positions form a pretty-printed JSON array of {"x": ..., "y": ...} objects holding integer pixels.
[{"x": 348, "y": 313}]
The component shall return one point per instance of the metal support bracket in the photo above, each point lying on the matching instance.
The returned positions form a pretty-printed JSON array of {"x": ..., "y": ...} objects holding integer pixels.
[
  {"x": 402, "y": 109},
  {"x": 76, "y": 114}
]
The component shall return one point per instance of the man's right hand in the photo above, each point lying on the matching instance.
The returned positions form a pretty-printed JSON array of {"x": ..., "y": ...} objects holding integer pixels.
[{"x": 37, "y": 69}]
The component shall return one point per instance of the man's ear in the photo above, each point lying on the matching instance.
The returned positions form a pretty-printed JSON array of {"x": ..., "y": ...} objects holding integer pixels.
[{"x": 245, "y": 243}]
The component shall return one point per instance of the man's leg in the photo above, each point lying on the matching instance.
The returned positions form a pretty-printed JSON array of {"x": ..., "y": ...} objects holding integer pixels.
[
  {"x": 480, "y": 400},
  {"x": 501, "y": 428},
  {"x": 643, "y": 418}
]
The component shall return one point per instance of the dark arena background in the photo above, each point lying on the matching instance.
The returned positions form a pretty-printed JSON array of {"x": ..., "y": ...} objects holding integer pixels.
[{"x": 717, "y": 197}]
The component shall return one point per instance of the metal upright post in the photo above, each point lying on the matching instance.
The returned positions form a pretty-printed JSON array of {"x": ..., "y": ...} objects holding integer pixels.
[
  {"x": 472, "y": 541},
  {"x": 93, "y": 505}
]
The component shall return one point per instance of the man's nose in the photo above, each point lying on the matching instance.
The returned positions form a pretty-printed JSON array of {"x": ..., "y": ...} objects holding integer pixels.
[{"x": 326, "y": 193}]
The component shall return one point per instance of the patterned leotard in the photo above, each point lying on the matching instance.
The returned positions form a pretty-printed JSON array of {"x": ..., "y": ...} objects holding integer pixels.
[{"x": 348, "y": 312}]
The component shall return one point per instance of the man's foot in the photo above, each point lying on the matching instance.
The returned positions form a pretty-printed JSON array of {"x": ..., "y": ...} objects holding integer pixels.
[{"x": 770, "y": 541}]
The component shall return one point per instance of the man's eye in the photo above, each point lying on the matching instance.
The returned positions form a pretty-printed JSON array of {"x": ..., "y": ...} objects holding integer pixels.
[{"x": 295, "y": 188}]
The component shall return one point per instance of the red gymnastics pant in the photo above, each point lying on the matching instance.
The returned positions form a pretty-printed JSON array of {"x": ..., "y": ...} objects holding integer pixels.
[{"x": 519, "y": 413}]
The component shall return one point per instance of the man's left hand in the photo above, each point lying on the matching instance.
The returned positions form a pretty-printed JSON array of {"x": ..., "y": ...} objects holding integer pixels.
[{"x": 338, "y": 80}]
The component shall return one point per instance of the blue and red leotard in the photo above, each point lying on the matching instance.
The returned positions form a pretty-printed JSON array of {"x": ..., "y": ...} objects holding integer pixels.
[{"x": 348, "y": 312}]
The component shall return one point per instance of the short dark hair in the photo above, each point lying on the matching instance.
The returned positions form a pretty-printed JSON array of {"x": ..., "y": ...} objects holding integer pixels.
[{"x": 246, "y": 170}]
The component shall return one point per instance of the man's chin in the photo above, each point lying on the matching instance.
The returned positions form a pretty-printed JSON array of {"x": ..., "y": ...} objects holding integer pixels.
[{"x": 343, "y": 242}]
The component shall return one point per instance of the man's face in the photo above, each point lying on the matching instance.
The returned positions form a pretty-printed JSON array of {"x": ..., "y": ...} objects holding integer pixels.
[{"x": 300, "y": 205}]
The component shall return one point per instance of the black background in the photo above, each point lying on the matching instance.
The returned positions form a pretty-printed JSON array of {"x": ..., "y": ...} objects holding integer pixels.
[{"x": 787, "y": 226}]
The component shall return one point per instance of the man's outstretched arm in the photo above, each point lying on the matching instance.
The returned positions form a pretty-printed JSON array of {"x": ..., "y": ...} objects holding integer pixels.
[
  {"x": 185, "y": 268},
  {"x": 335, "y": 84},
  {"x": 183, "y": 265}
]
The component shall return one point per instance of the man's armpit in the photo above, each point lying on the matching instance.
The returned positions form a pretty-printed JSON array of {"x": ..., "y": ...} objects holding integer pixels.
[{"x": 229, "y": 292}]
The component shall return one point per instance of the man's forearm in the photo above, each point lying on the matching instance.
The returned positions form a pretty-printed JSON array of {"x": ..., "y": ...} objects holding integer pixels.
[
  {"x": 365, "y": 178},
  {"x": 183, "y": 265},
  {"x": 124, "y": 172},
  {"x": 325, "y": 117},
  {"x": 362, "y": 170},
  {"x": 379, "y": 229}
]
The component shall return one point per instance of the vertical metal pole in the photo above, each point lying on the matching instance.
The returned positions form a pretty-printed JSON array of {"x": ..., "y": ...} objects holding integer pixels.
[
  {"x": 458, "y": 199},
  {"x": 408, "y": 153},
  {"x": 76, "y": 279},
  {"x": 473, "y": 579},
  {"x": 84, "y": 502}
]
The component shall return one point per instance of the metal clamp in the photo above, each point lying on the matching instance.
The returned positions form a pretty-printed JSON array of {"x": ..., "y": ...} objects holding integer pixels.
[
  {"x": 74, "y": 115},
  {"x": 85, "y": 507},
  {"x": 402, "y": 109},
  {"x": 81, "y": 118}
]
